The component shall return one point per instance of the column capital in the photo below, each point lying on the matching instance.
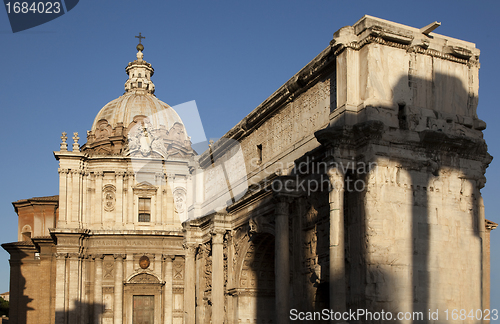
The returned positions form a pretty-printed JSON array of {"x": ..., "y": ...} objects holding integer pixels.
[
  {"x": 61, "y": 255},
  {"x": 287, "y": 185},
  {"x": 190, "y": 248},
  {"x": 74, "y": 255},
  {"x": 282, "y": 205},
  {"x": 119, "y": 256},
  {"x": 217, "y": 235},
  {"x": 168, "y": 257},
  {"x": 336, "y": 177},
  {"x": 97, "y": 256}
]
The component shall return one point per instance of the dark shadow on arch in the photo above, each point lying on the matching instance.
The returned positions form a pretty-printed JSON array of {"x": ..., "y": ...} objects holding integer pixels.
[{"x": 257, "y": 275}]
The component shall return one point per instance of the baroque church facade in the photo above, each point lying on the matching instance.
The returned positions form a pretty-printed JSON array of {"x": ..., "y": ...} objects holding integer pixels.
[{"x": 354, "y": 186}]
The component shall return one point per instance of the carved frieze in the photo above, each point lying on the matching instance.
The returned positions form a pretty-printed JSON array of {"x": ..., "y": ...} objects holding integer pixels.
[
  {"x": 207, "y": 274},
  {"x": 69, "y": 240},
  {"x": 136, "y": 242}
]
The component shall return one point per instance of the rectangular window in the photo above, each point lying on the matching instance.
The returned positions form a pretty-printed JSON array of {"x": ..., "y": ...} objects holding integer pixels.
[
  {"x": 259, "y": 153},
  {"x": 144, "y": 209}
]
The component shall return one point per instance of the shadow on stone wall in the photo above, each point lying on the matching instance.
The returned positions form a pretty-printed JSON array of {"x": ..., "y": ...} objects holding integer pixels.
[
  {"x": 81, "y": 313},
  {"x": 445, "y": 136},
  {"x": 263, "y": 267},
  {"x": 20, "y": 302},
  {"x": 32, "y": 298}
]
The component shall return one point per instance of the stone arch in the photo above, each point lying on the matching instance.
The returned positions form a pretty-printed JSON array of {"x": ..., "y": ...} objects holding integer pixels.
[
  {"x": 257, "y": 262},
  {"x": 255, "y": 279}
]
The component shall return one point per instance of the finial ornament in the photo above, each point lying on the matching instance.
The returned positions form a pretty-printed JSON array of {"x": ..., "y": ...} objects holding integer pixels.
[
  {"x": 76, "y": 146},
  {"x": 64, "y": 146}
]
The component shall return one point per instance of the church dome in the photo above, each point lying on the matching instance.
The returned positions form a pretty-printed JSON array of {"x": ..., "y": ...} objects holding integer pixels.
[
  {"x": 137, "y": 122},
  {"x": 131, "y": 104}
]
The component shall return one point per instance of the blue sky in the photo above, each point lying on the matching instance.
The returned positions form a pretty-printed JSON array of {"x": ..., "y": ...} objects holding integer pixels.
[{"x": 229, "y": 56}]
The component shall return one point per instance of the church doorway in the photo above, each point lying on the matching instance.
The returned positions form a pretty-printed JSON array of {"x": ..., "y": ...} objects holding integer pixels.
[
  {"x": 144, "y": 309},
  {"x": 143, "y": 297}
]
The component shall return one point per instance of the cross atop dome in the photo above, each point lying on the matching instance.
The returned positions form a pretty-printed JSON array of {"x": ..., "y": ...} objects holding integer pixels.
[
  {"x": 140, "y": 47},
  {"x": 140, "y": 37}
]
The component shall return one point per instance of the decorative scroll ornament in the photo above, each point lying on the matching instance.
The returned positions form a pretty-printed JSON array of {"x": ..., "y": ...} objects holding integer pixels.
[
  {"x": 180, "y": 200},
  {"x": 109, "y": 197}
]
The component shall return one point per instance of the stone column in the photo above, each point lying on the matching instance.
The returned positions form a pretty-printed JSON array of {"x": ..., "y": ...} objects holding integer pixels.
[
  {"x": 69, "y": 197},
  {"x": 337, "y": 262},
  {"x": 76, "y": 176},
  {"x": 217, "y": 276},
  {"x": 168, "y": 288},
  {"x": 189, "y": 287},
  {"x": 130, "y": 199},
  {"x": 118, "y": 302},
  {"x": 119, "y": 197},
  {"x": 86, "y": 203},
  {"x": 158, "y": 215},
  {"x": 170, "y": 207},
  {"x": 98, "y": 196},
  {"x": 84, "y": 310},
  {"x": 282, "y": 260},
  {"x": 60, "y": 287},
  {"x": 63, "y": 178},
  {"x": 73, "y": 282},
  {"x": 98, "y": 307}
]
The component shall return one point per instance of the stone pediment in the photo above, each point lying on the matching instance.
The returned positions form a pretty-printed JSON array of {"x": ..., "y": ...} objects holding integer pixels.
[
  {"x": 145, "y": 189},
  {"x": 144, "y": 278}
]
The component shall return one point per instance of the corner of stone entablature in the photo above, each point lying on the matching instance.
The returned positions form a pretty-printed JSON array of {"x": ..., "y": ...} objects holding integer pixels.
[
  {"x": 371, "y": 29},
  {"x": 344, "y": 36},
  {"x": 68, "y": 155}
]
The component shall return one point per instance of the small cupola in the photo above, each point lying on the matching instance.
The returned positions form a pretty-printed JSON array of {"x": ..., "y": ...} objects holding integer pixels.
[{"x": 139, "y": 73}]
